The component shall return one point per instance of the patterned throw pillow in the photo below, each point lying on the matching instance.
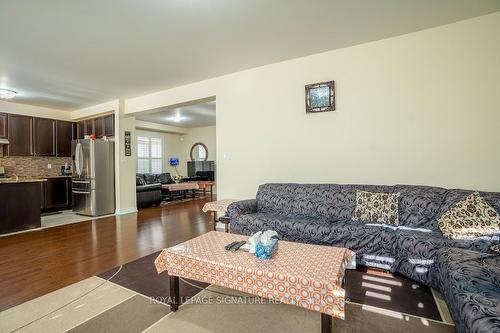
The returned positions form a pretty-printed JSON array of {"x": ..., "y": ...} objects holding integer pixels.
[
  {"x": 470, "y": 218},
  {"x": 377, "y": 207}
]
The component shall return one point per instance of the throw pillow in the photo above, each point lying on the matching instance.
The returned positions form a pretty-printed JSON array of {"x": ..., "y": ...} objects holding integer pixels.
[
  {"x": 495, "y": 248},
  {"x": 470, "y": 218},
  {"x": 377, "y": 207}
]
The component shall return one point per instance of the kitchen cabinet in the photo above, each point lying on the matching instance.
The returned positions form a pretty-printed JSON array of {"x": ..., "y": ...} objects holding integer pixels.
[
  {"x": 99, "y": 127},
  {"x": 3, "y": 125},
  {"x": 64, "y": 136},
  {"x": 32, "y": 136},
  {"x": 20, "y": 208},
  {"x": 80, "y": 130},
  {"x": 109, "y": 125},
  {"x": 89, "y": 127},
  {"x": 20, "y": 136},
  {"x": 44, "y": 137},
  {"x": 56, "y": 194}
]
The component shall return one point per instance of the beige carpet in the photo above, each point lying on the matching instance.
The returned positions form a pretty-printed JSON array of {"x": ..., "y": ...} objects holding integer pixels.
[
  {"x": 113, "y": 308},
  {"x": 210, "y": 312}
]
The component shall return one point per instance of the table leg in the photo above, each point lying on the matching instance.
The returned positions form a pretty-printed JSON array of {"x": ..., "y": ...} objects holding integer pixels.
[
  {"x": 214, "y": 214},
  {"x": 174, "y": 293},
  {"x": 326, "y": 323}
]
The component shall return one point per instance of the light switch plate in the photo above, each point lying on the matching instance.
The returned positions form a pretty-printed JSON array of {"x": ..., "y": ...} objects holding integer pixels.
[{"x": 49, "y": 166}]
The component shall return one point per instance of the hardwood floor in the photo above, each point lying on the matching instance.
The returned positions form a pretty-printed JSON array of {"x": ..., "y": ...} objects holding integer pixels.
[{"x": 38, "y": 262}]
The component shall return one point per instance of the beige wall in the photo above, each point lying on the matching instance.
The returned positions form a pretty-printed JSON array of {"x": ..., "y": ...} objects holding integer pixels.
[
  {"x": 421, "y": 108},
  {"x": 34, "y": 111}
]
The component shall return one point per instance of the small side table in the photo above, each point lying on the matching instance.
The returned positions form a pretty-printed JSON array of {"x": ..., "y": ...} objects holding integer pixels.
[{"x": 219, "y": 206}]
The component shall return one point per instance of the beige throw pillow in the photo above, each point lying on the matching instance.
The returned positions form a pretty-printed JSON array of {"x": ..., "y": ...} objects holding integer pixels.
[
  {"x": 377, "y": 207},
  {"x": 470, "y": 218}
]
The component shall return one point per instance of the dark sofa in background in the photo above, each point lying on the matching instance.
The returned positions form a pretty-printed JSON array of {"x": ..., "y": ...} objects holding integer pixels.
[
  {"x": 148, "y": 188},
  {"x": 466, "y": 272}
]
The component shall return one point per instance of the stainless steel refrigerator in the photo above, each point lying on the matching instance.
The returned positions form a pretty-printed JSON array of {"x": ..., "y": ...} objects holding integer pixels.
[{"x": 93, "y": 180}]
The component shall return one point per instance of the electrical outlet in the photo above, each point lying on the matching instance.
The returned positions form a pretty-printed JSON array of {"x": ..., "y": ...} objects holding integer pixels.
[{"x": 49, "y": 166}]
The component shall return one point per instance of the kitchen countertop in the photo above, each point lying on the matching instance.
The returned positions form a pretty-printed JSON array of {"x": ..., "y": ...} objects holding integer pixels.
[
  {"x": 12, "y": 180},
  {"x": 21, "y": 180}
]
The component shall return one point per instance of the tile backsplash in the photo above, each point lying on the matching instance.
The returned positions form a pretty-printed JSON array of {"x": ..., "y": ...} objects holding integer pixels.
[{"x": 32, "y": 166}]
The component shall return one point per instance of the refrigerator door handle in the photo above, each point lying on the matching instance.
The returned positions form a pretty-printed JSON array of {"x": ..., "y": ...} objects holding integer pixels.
[
  {"x": 78, "y": 158},
  {"x": 81, "y": 181},
  {"x": 80, "y": 192}
]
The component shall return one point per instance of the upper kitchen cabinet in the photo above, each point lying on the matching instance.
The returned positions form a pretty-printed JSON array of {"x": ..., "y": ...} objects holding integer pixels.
[
  {"x": 64, "y": 135},
  {"x": 99, "y": 127},
  {"x": 44, "y": 137},
  {"x": 109, "y": 125},
  {"x": 89, "y": 128},
  {"x": 3, "y": 126},
  {"x": 20, "y": 131}
]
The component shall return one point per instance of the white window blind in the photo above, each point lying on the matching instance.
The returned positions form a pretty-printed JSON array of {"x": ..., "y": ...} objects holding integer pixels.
[{"x": 149, "y": 154}]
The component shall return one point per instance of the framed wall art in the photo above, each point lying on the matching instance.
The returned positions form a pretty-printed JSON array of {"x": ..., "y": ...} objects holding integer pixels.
[{"x": 320, "y": 97}]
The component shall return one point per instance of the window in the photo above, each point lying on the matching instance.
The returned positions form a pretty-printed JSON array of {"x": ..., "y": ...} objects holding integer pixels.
[{"x": 149, "y": 154}]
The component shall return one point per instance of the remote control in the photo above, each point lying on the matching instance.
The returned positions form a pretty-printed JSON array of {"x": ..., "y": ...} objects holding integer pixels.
[
  {"x": 229, "y": 246},
  {"x": 235, "y": 247}
]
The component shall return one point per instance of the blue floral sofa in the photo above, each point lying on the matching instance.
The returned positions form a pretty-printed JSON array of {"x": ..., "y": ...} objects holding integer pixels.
[{"x": 467, "y": 272}]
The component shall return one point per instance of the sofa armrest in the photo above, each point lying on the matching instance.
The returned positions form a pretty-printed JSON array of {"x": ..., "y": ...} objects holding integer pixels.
[{"x": 241, "y": 208}]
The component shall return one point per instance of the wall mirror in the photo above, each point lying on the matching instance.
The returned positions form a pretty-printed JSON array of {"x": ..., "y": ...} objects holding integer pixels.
[{"x": 199, "y": 152}]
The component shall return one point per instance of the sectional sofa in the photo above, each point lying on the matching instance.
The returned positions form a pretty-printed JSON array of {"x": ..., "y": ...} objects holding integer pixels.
[{"x": 466, "y": 272}]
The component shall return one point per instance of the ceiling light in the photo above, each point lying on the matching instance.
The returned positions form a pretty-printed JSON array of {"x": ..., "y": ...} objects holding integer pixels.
[
  {"x": 7, "y": 94},
  {"x": 176, "y": 119}
]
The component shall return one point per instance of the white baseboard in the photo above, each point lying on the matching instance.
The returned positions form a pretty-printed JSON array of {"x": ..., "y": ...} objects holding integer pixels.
[{"x": 126, "y": 211}]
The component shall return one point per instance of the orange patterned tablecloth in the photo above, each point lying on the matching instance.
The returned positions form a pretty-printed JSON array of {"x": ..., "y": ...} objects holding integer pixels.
[
  {"x": 218, "y": 206},
  {"x": 300, "y": 274}
]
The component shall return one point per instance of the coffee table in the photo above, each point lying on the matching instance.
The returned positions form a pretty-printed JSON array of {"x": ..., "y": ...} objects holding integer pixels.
[
  {"x": 310, "y": 276},
  {"x": 181, "y": 187}
]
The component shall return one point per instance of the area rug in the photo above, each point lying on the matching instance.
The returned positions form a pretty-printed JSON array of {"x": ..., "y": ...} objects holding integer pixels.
[{"x": 134, "y": 301}]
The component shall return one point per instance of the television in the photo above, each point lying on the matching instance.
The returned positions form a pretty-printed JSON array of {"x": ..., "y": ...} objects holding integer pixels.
[{"x": 174, "y": 161}]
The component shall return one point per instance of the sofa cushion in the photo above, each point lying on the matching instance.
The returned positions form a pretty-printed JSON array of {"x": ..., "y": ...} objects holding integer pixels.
[
  {"x": 139, "y": 180},
  {"x": 470, "y": 283},
  {"x": 150, "y": 178},
  {"x": 371, "y": 242},
  {"x": 419, "y": 205},
  {"x": 148, "y": 187},
  {"x": 331, "y": 201},
  {"x": 376, "y": 207},
  {"x": 164, "y": 178},
  {"x": 415, "y": 250},
  {"x": 469, "y": 218}
]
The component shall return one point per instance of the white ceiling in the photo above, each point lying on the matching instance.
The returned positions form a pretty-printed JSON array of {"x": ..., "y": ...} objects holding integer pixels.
[
  {"x": 197, "y": 115},
  {"x": 72, "y": 54}
]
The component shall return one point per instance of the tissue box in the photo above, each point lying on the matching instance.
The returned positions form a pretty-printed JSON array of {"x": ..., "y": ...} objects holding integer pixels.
[{"x": 266, "y": 251}]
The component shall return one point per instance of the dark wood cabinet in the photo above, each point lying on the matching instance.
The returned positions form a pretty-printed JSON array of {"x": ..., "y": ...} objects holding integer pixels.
[
  {"x": 20, "y": 135},
  {"x": 80, "y": 130},
  {"x": 89, "y": 127},
  {"x": 109, "y": 125},
  {"x": 64, "y": 136},
  {"x": 44, "y": 137},
  {"x": 4, "y": 127},
  {"x": 102, "y": 126},
  {"x": 56, "y": 194},
  {"x": 20, "y": 206},
  {"x": 99, "y": 127}
]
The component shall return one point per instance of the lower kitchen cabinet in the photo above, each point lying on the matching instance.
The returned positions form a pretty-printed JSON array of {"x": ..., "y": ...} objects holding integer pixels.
[{"x": 56, "y": 194}]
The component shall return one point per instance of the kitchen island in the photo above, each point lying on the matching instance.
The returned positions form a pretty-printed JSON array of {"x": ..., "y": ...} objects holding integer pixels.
[{"x": 20, "y": 204}]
